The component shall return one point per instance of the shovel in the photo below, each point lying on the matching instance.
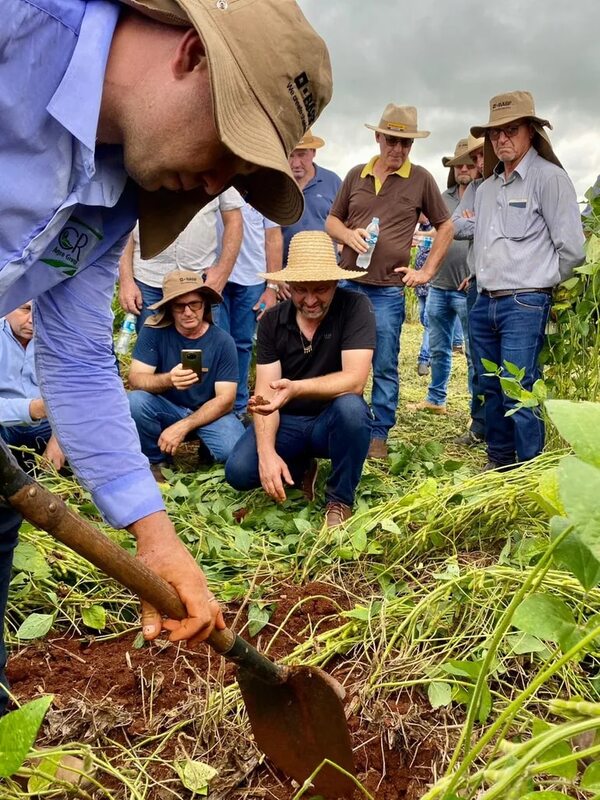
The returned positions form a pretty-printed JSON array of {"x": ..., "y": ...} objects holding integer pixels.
[{"x": 296, "y": 713}]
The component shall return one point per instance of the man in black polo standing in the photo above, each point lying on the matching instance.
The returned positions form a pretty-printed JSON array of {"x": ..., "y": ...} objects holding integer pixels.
[{"x": 313, "y": 359}]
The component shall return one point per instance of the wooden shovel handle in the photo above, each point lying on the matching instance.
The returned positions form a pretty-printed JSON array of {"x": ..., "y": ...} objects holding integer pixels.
[{"x": 49, "y": 512}]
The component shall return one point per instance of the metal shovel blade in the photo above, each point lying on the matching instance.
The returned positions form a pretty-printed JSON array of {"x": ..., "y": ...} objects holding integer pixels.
[{"x": 298, "y": 724}]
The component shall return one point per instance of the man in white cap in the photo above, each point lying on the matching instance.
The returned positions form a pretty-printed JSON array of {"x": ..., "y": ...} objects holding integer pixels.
[
  {"x": 314, "y": 355},
  {"x": 319, "y": 187},
  {"x": 396, "y": 191},
  {"x": 527, "y": 238},
  {"x": 146, "y": 112}
]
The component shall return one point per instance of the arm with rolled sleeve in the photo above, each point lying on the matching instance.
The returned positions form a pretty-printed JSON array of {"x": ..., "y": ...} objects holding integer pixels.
[
  {"x": 84, "y": 394},
  {"x": 561, "y": 215}
]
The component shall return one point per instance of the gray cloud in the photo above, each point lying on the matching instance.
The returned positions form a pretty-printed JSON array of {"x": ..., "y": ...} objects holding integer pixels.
[{"x": 448, "y": 59}]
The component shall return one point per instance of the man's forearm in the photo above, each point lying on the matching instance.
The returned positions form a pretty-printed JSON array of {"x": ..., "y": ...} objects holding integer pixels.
[
  {"x": 439, "y": 248},
  {"x": 151, "y": 382},
  {"x": 265, "y": 429},
  {"x": 208, "y": 412},
  {"x": 328, "y": 387},
  {"x": 233, "y": 230},
  {"x": 336, "y": 229}
]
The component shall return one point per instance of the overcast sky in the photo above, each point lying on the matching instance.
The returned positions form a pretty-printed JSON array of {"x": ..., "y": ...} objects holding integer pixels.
[{"x": 448, "y": 58}]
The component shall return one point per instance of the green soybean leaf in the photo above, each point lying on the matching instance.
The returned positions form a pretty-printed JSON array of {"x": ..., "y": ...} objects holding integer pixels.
[
  {"x": 258, "y": 616},
  {"x": 27, "y": 558},
  {"x": 439, "y": 694},
  {"x": 511, "y": 388},
  {"x": 18, "y": 731},
  {"x": 489, "y": 366},
  {"x": 195, "y": 775},
  {"x": 35, "y": 626},
  {"x": 580, "y": 489},
  {"x": 572, "y": 554},
  {"x": 359, "y": 540},
  {"x": 522, "y": 643},
  {"x": 44, "y": 775},
  {"x": 544, "y": 616},
  {"x": 94, "y": 617},
  {"x": 548, "y": 795},
  {"x": 591, "y": 777},
  {"x": 579, "y": 424}
]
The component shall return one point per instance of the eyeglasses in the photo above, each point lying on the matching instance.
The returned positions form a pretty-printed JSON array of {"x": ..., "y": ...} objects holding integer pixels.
[
  {"x": 392, "y": 141},
  {"x": 195, "y": 305},
  {"x": 510, "y": 132}
]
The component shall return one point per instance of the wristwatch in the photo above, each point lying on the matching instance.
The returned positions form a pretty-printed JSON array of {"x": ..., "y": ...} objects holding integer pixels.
[{"x": 274, "y": 286}]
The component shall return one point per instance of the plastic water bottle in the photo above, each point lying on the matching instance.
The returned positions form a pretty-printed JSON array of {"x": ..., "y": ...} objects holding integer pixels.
[
  {"x": 126, "y": 334},
  {"x": 364, "y": 259}
]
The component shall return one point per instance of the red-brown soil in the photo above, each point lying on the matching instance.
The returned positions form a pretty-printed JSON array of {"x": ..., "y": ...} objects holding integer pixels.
[{"x": 111, "y": 691}]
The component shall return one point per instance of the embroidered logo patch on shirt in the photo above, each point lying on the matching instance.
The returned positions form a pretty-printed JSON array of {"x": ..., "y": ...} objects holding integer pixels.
[{"x": 70, "y": 249}]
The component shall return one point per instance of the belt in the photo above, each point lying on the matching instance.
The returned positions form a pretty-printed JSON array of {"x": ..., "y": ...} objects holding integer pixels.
[{"x": 510, "y": 292}]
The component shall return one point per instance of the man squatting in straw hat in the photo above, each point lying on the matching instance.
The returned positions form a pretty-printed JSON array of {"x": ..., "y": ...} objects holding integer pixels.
[
  {"x": 134, "y": 113},
  {"x": 527, "y": 237},
  {"x": 172, "y": 403},
  {"x": 395, "y": 190},
  {"x": 313, "y": 357}
]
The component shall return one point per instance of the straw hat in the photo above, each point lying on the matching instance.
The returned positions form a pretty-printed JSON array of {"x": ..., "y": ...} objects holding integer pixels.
[
  {"x": 465, "y": 158},
  {"x": 506, "y": 108},
  {"x": 177, "y": 283},
  {"x": 311, "y": 257},
  {"x": 310, "y": 142},
  {"x": 270, "y": 78},
  {"x": 400, "y": 121},
  {"x": 459, "y": 152}
]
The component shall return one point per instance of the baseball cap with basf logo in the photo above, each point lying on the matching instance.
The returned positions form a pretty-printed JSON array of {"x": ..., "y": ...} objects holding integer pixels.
[{"x": 270, "y": 78}]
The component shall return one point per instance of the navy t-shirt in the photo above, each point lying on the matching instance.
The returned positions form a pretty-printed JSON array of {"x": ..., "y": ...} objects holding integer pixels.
[{"x": 161, "y": 348}]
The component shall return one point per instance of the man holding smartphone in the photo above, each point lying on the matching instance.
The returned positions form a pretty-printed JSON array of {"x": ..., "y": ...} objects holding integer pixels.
[{"x": 184, "y": 374}]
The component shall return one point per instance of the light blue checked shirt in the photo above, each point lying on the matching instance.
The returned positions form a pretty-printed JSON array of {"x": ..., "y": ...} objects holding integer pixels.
[
  {"x": 18, "y": 383},
  {"x": 66, "y": 209},
  {"x": 527, "y": 230}
]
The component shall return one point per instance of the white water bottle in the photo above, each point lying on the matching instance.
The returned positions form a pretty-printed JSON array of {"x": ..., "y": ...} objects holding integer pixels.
[
  {"x": 364, "y": 259},
  {"x": 126, "y": 334}
]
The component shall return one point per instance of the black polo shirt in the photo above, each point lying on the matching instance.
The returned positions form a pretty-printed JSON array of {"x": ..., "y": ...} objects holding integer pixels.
[{"x": 348, "y": 325}]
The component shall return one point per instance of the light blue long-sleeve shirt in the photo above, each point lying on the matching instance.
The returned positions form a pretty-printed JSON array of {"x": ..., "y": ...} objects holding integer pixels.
[
  {"x": 18, "y": 384},
  {"x": 528, "y": 232},
  {"x": 66, "y": 208}
]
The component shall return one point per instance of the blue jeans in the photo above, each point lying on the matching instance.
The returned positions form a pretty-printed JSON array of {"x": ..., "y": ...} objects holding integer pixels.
[
  {"x": 424, "y": 355},
  {"x": 510, "y": 329},
  {"x": 235, "y": 315},
  {"x": 341, "y": 432},
  {"x": 150, "y": 295},
  {"x": 388, "y": 303},
  {"x": 152, "y": 413},
  {"x": 444, "y": 308},
  {"x": 33, "y": 436},
  {"x": 477, "y": 407}
]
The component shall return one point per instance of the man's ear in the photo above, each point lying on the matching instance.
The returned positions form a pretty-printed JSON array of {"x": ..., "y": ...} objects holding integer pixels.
[{"x": 189, "y": 54}]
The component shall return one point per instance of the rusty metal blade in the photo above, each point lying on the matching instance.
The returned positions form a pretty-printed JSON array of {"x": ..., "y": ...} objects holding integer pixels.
[{"x": 300, "y": 723}]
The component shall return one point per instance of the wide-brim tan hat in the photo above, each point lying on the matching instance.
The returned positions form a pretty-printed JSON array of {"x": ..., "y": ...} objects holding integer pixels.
[
  {"x": 270, "y": 79},
  {"x": 459, "y": 151},
  {"x": 473, "y": 144},
  {"x": 311, "y": 257},
  {"x": 177, "y": 283},
  {"x": 310, "y": 142},
  {"x": 509, "y": 107},
  {"x": 400, "y": 121}
]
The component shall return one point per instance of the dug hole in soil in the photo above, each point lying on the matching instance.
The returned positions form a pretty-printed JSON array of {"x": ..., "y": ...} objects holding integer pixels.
[{"x": 106, "y": 692}]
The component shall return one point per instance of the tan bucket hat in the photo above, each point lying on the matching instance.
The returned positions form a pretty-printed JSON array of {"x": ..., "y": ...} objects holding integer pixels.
[
  {"x": 270, "y": 78},
  {"x": 506, "y": 108},
  {"x": 175, "y": 284},
  {"x": 310, "y": 142},
  {"x": 459, "y": 152},
  {"x": 465, "y": 158},
  {"x": 400, "y": 121},
  {"x": 311, "y": 257}
]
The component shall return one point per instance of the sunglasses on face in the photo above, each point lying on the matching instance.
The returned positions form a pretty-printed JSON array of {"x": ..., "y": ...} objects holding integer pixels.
[
  {"x": 510, "y": 132},
  {"x": 393, "y": 141},
  {"x": 179, "y": 308}
]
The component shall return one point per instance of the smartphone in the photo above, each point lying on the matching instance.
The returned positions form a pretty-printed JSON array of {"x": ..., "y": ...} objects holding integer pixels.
[{"x": 192, "y": 359}]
